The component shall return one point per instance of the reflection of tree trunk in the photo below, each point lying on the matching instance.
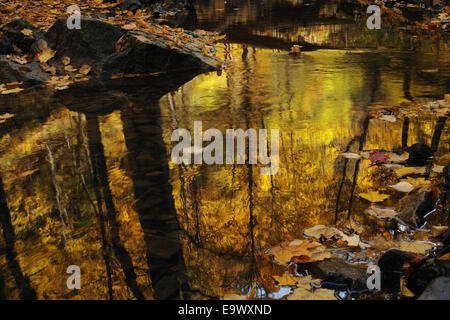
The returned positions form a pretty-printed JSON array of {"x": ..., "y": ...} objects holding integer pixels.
[
  {"x": 100, "y": 174},
  {"x": 22, "y": 282},
  {"x": 358, "y": 162},
  {"x": 59, "y": 201},
  {"x": 405, "y": 130},
  {"x": 440, "y": 124},
  {"x": 154, "y": 202}
]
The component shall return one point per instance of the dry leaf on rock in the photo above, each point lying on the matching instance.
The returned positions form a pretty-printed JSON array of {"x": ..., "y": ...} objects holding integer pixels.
[
  {"x": 45, "y": 55},
  {"x": 404, "y": 289},
  {"x": 27, "y": 32},
  {"x": 66, "y": 60},
  {"x": 374, "y": 196},
  {"x": 85, "y": 69}
]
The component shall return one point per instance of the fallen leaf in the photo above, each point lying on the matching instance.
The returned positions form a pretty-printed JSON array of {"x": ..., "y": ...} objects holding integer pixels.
[
  {"x": 378, "y": 157},
  {"x": 374, "y": 196},
  {"x": 45, "y": 55},
  {"x": 403, "y": 186},
  {"x": 381, "y": 212},
  {"x": 388, "y": 118},
  {"x": 85, "y": 69},
  {"x": 406, "y": 171},
  {"x": 404, "y": 290},
  {"x": 415, "y": 246},
  {"x": 27, "y": 32},
  {"x": 320, "y": 231},
  {"x": 299, "y": 250},
  {"x": 305, "y": 291},
  {"x": 286, "y": 280},
  {"x": 436, "y": 231},
  {"x": 438, "y": 169},
  {"x": 66, "y": 60},
  {"x": 350, "y": 155},
  {"x": 445, "y": 257},
  {"x": 398, "y": 158}
]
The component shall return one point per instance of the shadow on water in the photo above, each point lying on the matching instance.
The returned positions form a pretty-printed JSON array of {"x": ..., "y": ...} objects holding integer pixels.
[
  {"x": 22, "y": 281},
  {"x": 148, "y": 164}
]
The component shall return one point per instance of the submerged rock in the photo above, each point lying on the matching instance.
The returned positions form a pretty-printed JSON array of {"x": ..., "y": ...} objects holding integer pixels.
[
  {"x": 438, "y": 289},
  {"x": 337, "y": 274},
  {"x": 419, "y": 154},
  {"x": 414, "y": 206}
]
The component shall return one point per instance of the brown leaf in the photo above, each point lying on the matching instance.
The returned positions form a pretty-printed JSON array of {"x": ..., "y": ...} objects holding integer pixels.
[{"x": 299, "y": 251}]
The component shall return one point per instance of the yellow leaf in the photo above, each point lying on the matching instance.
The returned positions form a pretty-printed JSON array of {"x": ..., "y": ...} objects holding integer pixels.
[
  {"x": 27, "y": 32},
  {"x": 374, "y": 196},
  {"x": 66, "y": 60},
  {"x": 299, "y": 251},
  {"x": 85, "y": 69},
  {"x": 404, "y": 290},
  {"x": 286, "y": 280},
  {"x": 406, "y": 171},
  {"x": 45, "y": 55}
]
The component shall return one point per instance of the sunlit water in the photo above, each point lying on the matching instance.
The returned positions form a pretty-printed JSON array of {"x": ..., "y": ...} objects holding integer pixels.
[{"x": 203, "y": 230}]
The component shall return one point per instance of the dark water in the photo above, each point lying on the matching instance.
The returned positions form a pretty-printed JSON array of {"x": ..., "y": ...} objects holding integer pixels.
[{"x": 86, "y": 177}]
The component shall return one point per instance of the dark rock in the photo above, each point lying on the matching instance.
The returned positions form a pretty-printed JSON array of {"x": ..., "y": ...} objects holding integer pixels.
[
  {"x": 426, "y": 272},
  {"x": 154, "y": 55},
  {"x": 12, "y": 36},
  {"x": 30, "y": 74},
  {"x": 414, "y": 206},
  {"x": 419, "y": 154},
  {"x": 131, "y": 5},
  {"x": 438, "y": 289},
  {"x": 336, "y": 274},
  {"x": 89, "y": 45},
  {"x": 391, "y": 266}
]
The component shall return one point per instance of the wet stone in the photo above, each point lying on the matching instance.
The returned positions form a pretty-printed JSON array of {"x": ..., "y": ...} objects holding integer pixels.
[{"x": 437, "y": 290}]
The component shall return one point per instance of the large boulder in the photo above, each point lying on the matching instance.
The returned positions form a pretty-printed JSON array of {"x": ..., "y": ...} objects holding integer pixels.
[
  {"x": 89, "y": 45},
  {"x": 144, "y": 53},
  {"x": 19, "y": 34}
]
